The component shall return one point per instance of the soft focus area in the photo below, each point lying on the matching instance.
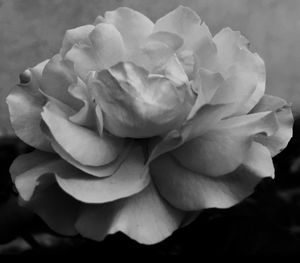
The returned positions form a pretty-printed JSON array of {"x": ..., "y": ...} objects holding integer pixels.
[{"x": 31, "y": 31}]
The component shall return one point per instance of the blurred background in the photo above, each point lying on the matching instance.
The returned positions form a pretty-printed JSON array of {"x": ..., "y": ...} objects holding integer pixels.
[{"x": 267, "y": 222}]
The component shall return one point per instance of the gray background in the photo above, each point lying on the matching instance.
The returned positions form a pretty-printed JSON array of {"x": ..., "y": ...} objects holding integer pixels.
[{"x": 32, "y": 30}]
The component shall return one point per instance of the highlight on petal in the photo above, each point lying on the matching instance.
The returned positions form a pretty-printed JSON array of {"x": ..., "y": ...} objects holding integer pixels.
[
  {"x": 57, "y": 77},
  {"x": 144, "y": 217},
  {"x": 278, "y": 141},
  {"x": 78, "y": 35},
  {"x": 192, "y": 191},
  {"x": 106, "y": 49},
  {"x": 133, "y": 26},
  {"x": 82, "y": 144},
  {"x": 129, "y": 179},
  {"x": 222, "y": 149}
]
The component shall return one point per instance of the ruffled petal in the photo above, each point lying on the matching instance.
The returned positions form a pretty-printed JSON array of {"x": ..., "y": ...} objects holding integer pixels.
[
  {"x": 25, "y": 105},
  {"x": 129, "y": 179},
  {"x": 228, "y": 43},
  {"x": 136, "y": 104},
  {"x": 57, "y": 77},
  {"x": 82, "y": 144},
  {"x": 277, "y": 142},
  {"x": 144, "y": 217},
  {"x": 244, "y": 72},
  {"x": 190, "y": 191},
  {"x": 106, "y": 49},
  {"x": 184, "y": 22},
  {"x": 57, "y": 209},
  {"x": 133, "y": 26},
  {"x": 222, "y": 149},
  {"x": 78, "y": 35}
]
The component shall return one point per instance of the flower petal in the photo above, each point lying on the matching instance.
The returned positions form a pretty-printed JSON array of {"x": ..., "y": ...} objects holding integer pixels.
[
  {"x": 127, "y": 180},
  {"x": 98, "y": 171},
  {"x": 190, "y": 191},
  {"x": 106, "y": 49},
  {"x": 131, "y": 104},
  {"x": 205, "y": 84},
  {"x": 82, "y": 144},
  {"x": 144, "y": 217},
  {"x": 173, "y": 41},
  {"x": 78, "y": 35},
  {"x": 228, "y": 43},
  {"x": 133, "y": 26},
  {"x": 86, "y": 115},
  {"x": 205, "y": 119},
  {"x": 57, "y": 209},
  {"x": 184, "y": 22},
  {"x": 31, "y": 171},
  {"x": 244, "y": 72},
  {"x": 57, "y": 77},
  {"x": 222, "y": 149},
  {"x": 277, "y": 142},
  {"x": 25, "y": 106}
]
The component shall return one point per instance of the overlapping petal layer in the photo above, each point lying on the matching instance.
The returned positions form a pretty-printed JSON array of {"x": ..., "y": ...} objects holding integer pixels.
[{"x": 138, "y": 124}]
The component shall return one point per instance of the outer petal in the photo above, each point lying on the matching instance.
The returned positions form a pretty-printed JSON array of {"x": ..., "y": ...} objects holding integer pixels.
[
  {"x": 129, "y": 179},
  {"x": 277, "y": 142},
  {"x": 78, "y": 35},
  {"x": 98, "y": 171},
  {"x": 228, "y": 43},
  {"x": 144, "y": 217},
  {"x": 31, "y": 171},
  {"x": 133, "y": 26},
  {"x": 222, "y": 149},
  {"x": 25, "y": 105},
  {"x": 39, "y": 192},
  {"x": 244, "y": 72},
  {"x": 106, "y": 49},
  {"x": 187, "y": 190},
  {"x": 82, "y": 144}
]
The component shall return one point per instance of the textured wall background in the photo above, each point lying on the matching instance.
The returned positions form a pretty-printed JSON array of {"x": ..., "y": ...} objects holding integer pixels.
[{"x": 32, "y": 30}]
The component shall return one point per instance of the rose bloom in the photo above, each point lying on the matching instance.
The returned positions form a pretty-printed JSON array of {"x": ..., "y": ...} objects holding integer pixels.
[{"x": 138, "y": 126}]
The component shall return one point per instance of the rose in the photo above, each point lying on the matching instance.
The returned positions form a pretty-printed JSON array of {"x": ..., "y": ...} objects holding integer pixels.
[{"x": 137, "y": 124}]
